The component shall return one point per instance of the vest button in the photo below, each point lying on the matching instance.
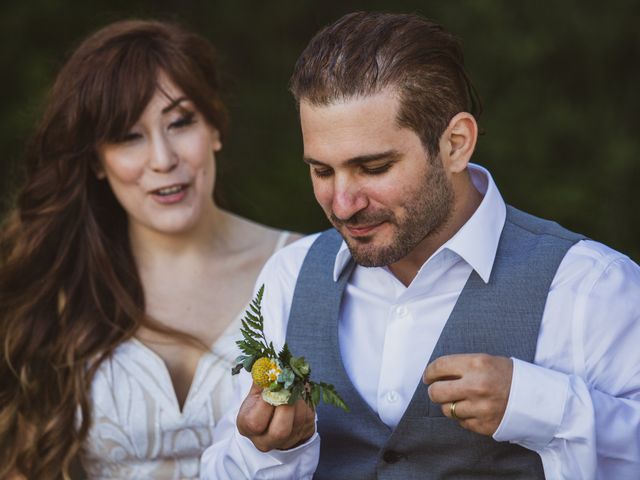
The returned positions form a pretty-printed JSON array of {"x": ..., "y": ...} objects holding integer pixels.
[{"x": 391, "y": 456}]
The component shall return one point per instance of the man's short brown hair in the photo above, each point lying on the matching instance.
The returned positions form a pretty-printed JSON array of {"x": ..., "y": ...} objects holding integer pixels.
[{"x": 365, "y": 52}]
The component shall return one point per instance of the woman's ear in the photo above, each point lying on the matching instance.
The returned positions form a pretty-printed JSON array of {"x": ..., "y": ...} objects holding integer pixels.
[
  {"x": 216, "y": 142},
  {"x": 98, "y": 170},
  {"x": 458, "y": 142}
]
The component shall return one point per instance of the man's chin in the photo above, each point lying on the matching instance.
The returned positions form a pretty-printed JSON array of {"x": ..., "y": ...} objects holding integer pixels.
[
  {"x": 369, "y": 250},
  {"x": 367, "y": 259},
  {"x": 359, "y": 240},
  {"x": 366, "y": 253}
]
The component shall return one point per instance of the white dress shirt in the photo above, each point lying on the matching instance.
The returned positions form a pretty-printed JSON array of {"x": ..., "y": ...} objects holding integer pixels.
[{"x": 577, "y": 405}]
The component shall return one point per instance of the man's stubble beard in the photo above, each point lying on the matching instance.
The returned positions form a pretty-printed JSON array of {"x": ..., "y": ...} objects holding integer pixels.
[{"x": 426, "y": 213}]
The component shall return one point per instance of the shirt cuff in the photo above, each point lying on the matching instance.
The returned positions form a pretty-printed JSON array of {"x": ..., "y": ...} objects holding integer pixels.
[
  {"x": 283, "y": 456},
  {"x": 535, "y": 407},
  {"x": 299, "y": 462}
]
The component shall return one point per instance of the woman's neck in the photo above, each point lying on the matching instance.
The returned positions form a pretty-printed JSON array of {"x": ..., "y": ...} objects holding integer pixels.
[{"x": 212, "y": 236}]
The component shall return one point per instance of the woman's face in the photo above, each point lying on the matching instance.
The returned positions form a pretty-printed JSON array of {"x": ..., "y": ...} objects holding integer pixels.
[{"x": 162, "y": 172}]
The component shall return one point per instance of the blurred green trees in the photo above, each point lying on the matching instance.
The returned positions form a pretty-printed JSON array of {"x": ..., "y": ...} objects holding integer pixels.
[{"x": 559, "y": 82}]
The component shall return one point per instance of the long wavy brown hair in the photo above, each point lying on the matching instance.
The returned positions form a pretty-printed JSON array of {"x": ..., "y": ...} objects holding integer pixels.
[{"x": 70, "y": 292}]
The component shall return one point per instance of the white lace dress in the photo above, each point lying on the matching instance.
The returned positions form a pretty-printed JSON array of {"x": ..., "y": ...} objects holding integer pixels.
[{"x": 138, "y": 430}]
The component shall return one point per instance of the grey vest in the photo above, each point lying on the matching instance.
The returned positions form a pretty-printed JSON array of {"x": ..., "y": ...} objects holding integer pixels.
[{"x": 500, "y": 318}]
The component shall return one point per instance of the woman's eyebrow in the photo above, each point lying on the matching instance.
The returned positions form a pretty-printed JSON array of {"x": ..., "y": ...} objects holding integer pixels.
[{"x": 173, "y": 104}]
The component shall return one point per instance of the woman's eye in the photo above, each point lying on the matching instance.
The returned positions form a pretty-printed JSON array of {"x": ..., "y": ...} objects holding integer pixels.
[
  {"x": 129, "y": 137},
  {"x": 186, "y": 119}
]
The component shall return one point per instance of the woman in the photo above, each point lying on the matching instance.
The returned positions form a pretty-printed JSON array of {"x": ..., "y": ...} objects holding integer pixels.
[{"x": 118, "y": 269}]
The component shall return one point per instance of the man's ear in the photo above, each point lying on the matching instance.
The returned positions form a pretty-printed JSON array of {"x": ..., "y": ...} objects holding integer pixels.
[{"x": 458, "y": 142}]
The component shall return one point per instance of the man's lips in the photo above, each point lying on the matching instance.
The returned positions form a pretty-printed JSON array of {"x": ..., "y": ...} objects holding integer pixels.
[{"x": 362, "y": 230}]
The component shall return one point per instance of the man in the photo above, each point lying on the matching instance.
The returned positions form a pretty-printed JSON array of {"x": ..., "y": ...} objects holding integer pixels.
[{"x": 469, "y": 339}]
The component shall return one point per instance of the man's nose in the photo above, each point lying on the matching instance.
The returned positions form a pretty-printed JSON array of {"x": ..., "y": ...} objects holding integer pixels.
[
  {"x": 348, "y": 199},
  {"x": 163, "y": 157}
]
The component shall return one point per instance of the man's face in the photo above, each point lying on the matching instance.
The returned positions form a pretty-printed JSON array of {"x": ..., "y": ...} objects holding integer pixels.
[{"x": 372, "y": 178}]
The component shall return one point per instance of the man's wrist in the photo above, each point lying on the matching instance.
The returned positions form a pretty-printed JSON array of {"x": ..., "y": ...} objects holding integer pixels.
[{"x": 536, "y": 406}]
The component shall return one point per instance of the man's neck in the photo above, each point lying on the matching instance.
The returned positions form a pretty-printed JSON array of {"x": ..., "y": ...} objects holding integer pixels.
[{"x": 467, "y": 200}]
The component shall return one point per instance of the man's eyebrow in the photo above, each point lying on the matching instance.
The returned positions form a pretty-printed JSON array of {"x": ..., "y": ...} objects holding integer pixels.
[
  {"x": 359, "y": 160},
  {"x": 173, "y": 104}
]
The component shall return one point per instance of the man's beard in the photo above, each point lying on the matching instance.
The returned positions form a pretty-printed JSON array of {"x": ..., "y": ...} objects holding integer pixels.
[{"x": 427, "y": 211}]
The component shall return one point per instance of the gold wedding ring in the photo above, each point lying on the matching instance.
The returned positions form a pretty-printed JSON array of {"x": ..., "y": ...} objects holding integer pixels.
[{"x": 452, "y": 411}]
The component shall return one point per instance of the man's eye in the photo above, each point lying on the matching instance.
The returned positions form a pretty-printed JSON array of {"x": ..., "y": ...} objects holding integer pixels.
[
  {"x": 376, "y": 170},
  {"x": 186, "y": 119},
  {"x": 322, "y": 172}
]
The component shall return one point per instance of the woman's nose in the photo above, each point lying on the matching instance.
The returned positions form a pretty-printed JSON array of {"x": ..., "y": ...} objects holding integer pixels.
[{"x": 163, "y": 157}]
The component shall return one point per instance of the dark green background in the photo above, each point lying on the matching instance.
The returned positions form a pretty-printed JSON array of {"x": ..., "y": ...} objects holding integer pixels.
[{"x": 559, "y": 81}]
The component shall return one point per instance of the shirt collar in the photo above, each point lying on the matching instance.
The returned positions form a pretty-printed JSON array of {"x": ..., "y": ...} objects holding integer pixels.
[{"x": 477, "y": 241}]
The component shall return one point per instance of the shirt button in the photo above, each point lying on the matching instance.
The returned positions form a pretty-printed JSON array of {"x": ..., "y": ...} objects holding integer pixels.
[
  {"x": 392, "y": 396},
  {"x": 402, "y": 311}
]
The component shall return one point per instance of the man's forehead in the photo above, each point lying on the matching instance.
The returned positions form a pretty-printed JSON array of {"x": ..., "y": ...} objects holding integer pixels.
[
  {"x": 387, "y": 96},
  {"x": 358, "y": 128},
  {"x": 378, "y": 111}
]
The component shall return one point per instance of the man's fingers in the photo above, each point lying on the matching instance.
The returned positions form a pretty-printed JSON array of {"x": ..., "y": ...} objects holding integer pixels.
[
  {"x": 445, "y": 391},
  {"x": 256, "y": 420},
  {"x": 278, "y": 429},
  {"x": 457, "y": 410},
  {"x": 290, "y": 425},
  {"x": 282, "y": 425},
  {"x": 305, "y": 417},
  {"x": 255, "y": 390},
  {"x": 254, "y": 415},
  {"x": 302, "y": 412},
  {"x": 271, "y": 427},
  {"x": 481, "y": 392},
  {"x": 303, "y": 426},
  {"x": 446, "y": 367}
]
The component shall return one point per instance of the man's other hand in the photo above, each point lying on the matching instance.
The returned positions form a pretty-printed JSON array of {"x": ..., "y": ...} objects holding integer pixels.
[
  {"x": 268, "y": 427},
  {"x": 479, "y": 384}
]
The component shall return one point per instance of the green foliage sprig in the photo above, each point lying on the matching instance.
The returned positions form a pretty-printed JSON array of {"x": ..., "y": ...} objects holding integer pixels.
[{"x": 293, "y": 373}]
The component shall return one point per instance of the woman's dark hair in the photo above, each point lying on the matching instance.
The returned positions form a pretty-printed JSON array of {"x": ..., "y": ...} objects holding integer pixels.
[{"x": 70, "y": 292}]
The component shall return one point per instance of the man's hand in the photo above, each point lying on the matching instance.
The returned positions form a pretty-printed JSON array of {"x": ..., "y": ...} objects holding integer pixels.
[
  {"x": 270, "y": 427},
  {"x": 479, "y": 385}
]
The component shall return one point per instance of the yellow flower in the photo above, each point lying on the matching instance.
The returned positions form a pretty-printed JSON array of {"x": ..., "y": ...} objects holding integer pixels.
[{"x": 265, "y": 371}]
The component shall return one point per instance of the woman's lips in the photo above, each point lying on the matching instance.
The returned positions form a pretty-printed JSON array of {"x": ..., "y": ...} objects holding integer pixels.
[{"x": 170, "y": 195}]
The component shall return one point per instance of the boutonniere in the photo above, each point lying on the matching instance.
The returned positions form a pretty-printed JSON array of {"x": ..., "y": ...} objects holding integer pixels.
[{"x": 283, "y": 377}]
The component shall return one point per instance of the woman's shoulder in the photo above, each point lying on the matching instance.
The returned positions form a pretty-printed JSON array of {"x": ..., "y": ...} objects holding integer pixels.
[
  {"x": 252, "y": 235},
  {"x": 285, "y": 263}
]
